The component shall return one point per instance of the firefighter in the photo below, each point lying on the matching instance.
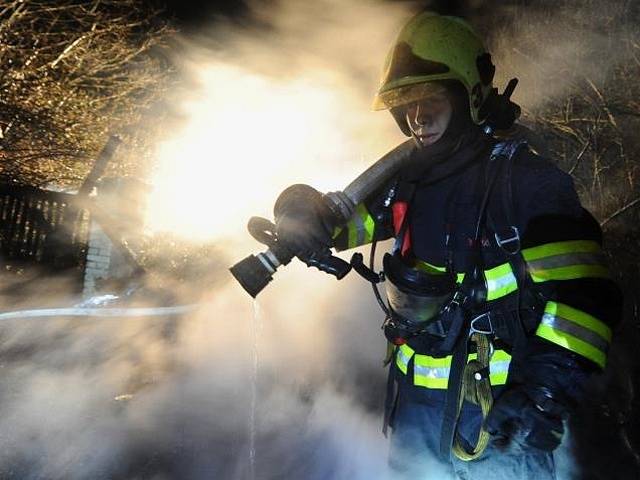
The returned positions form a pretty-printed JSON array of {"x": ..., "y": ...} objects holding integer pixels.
[{"x": 500, "y": 304}]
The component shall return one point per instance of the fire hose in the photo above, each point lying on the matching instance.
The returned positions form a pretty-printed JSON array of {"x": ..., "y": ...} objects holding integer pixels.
[
  {"x": 94, "y": 307},
  {"x": 100, "y": 312},
  {"x": 255, "y": 271}
]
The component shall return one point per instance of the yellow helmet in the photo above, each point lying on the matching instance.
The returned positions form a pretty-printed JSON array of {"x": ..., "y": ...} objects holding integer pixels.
[{"x": 434, "y": 48}]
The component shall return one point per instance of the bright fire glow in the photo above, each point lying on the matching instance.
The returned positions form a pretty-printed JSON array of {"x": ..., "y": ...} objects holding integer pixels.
[{"x": 247, "y": 137}]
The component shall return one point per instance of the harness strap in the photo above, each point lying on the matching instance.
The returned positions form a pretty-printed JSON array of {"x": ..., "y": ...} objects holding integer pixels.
[
  {"x": 391, "y": 398},
  {"x": 453, "y": 397},
  {"x": 476, "y": 389},
  {"x": 506, "y": 232},
  {"x": 500, "y": 215}
]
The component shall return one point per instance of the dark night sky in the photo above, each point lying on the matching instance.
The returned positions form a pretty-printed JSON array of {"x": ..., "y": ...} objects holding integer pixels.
[{"x": 194, "y": 11}]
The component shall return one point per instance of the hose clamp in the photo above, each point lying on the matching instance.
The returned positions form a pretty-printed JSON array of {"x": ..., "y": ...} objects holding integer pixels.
[{"x": 340, "y": 205}]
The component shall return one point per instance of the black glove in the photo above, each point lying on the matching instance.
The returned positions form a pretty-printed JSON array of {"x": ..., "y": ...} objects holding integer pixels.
[
  {"x": 304, "y": 222},
  {"x": 546, "y": 382},
  {"x": 517, "y": 417}
]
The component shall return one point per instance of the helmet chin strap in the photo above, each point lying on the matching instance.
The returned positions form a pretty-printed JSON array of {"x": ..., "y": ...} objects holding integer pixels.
[
  {"x": 416, "y": 140},
  {"x": 415, "y": 122},
  {"x": 417, "y": 116}
]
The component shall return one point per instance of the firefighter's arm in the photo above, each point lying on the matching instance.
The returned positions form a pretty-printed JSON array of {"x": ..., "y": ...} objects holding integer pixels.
[
  {"x": 370, "y": 221},
  {"x": 562, "y": 250},
  {"x": 305, "y": 223},
  {"x": 567, "y": 267}
]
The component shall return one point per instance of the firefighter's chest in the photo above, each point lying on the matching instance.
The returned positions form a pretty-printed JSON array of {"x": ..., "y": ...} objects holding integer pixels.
[{"x": 443, "y": 223}]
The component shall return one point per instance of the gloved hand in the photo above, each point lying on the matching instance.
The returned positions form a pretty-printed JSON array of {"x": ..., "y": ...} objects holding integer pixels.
[
  {"x": 534, "y": 422},
  {"x": 304, "y": 222},
  {"x": 546, "y": 382}
]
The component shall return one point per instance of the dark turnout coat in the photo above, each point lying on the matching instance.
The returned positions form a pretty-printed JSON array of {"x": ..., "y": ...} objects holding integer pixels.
[{"x": 553, "y": 272}]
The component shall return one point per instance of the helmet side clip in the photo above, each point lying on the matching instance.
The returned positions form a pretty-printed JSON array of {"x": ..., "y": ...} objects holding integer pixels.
[{"x": 499, "y": 112}]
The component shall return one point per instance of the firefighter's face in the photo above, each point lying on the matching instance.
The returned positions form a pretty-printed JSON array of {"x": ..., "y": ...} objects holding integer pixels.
[{"x": 429, "y": 118}]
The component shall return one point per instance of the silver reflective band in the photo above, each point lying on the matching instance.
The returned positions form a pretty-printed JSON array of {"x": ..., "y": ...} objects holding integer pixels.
[
  {"x": 501, "y": 282},
  {"x": 566, "y": 260},
  {"x": 501, "y": 366},
  {"x": 495, "y": 368},
  {"x": 431, "y": 372},
  {"x": 360, "y": 229},
  {"x": 578, "y": 331}
]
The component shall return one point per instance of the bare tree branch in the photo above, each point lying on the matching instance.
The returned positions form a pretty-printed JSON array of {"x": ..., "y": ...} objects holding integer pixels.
[
  {"x": 74, "y": 71},
  {"x": 620, "y": 211}
]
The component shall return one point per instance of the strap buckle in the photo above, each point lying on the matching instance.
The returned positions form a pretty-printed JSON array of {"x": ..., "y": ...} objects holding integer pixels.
[
  {"x": 485, "y": 329},
  {"x": 437, "y": 328},
  {"x": 514, "y": 238}
]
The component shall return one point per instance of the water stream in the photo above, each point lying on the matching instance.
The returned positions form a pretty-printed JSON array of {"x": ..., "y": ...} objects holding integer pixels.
[{"x": 255, "y": 333}]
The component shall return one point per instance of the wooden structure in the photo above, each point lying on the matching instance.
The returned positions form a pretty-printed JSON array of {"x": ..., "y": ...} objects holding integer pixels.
[{"x": 41, "y": 226}]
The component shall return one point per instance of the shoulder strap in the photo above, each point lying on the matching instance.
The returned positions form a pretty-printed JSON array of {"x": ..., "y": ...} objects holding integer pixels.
[
  {"x": 506, "y": 232},
  {"x": 501, "y": 218}
]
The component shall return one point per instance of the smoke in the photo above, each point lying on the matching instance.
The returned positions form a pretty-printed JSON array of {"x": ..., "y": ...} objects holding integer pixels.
[
  {"x": 281, "y": 100},
  {"x": 294, "y": 390},
  {"x": 556, "y": 51}
]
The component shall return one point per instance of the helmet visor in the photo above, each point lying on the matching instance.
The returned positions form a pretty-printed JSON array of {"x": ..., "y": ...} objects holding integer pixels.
[{"x": 402, "y": 96}]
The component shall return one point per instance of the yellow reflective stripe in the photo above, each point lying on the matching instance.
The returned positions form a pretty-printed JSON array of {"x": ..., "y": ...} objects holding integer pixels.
[
  {"x": 360, "y": 228},
  {"x": 575, "y": 330},
  {"x": 352, "y": 230},
  {"x": 581, "y": 318},
  {"x": 499, "y": 367},
  {"x": 429, "y": 267},
  {"x": 558, "y": 248},
  {"x": 427, "y": 381},
  {"x": 566, "y": 261},
  {"x": 500, "y": 281},
  {"x": 570, "y": 273},
  {"x": 572, "y": 343},
  {"x": 433, "y": 372},
  {"x": 368, "y": 223},
  {"x": 403, "y": 355}
]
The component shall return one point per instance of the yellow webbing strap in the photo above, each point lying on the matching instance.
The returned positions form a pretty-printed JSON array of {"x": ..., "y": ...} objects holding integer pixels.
[{"x": 476, "y": 391}]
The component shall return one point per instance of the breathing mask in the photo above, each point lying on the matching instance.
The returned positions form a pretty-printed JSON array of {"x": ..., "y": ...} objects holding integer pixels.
[{"x": 415, "y": 297}]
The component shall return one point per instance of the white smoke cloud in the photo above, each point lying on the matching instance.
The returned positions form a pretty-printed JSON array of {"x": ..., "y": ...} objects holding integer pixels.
[
  {"x": 556, "y": 51},
  {"x": 176, "y": 398},
  {"x": 220, "y": 394}
]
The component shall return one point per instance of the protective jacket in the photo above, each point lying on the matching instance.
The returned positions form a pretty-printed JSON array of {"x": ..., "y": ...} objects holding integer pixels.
[{"x": 548, "y": 289}]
